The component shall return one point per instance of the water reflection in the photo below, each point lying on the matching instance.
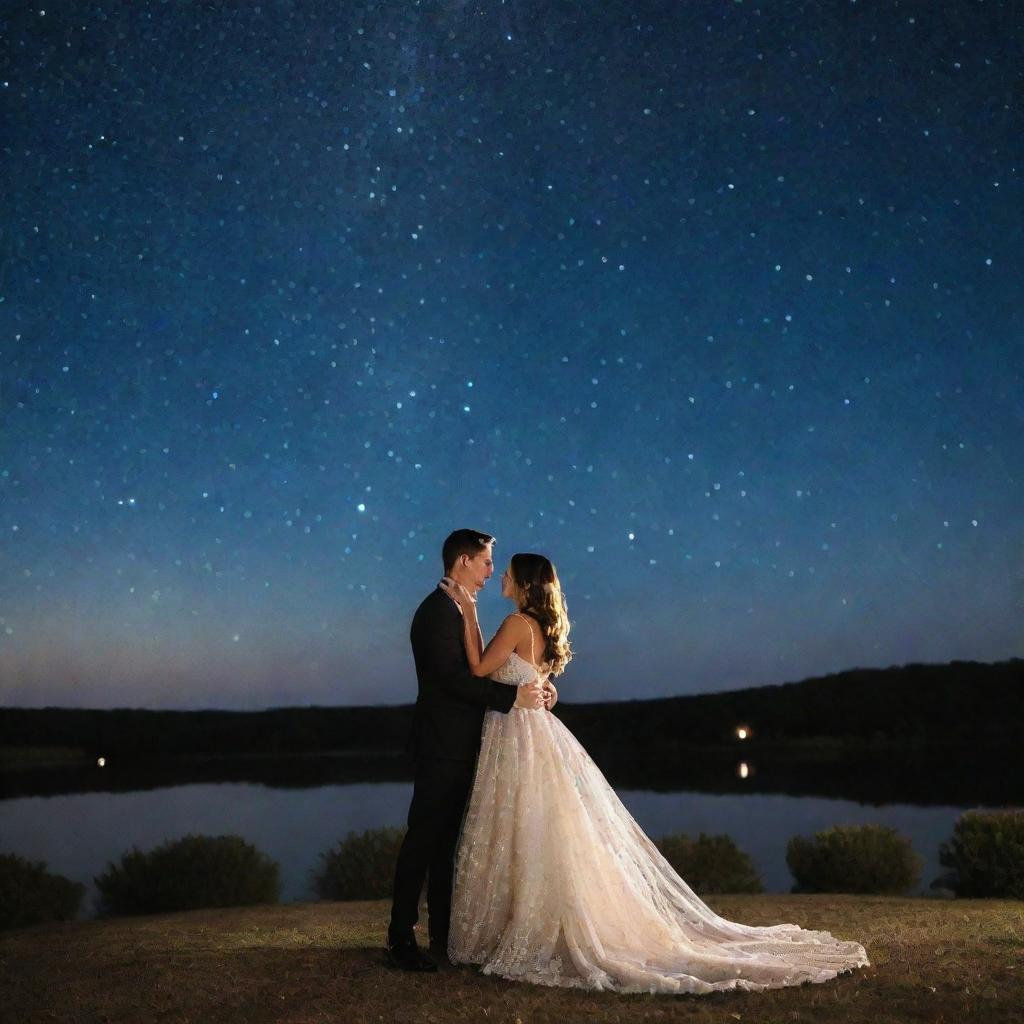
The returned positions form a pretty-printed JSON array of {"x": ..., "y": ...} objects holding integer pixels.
[
  {"x": 938, "y": 776},
  {"x": 77, "y": 834}
]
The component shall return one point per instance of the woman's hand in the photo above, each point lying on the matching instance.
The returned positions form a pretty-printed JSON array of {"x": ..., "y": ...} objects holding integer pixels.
[{"x": 459, "y": 594}]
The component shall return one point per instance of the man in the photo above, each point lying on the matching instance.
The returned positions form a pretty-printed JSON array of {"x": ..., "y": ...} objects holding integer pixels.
[{"x": 445, "y": 741}]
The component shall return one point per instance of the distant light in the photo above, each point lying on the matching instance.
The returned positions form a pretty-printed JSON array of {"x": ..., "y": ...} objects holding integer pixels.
[
  {"x": 743, "y": 770},
  {"x": 361, "y": 507},
  {"x": 742, "y": 732},
  {"x": 101, "y": 761}
]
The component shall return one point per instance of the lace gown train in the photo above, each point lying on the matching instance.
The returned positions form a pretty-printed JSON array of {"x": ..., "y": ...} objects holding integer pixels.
[{"x": 556, "y": 884}]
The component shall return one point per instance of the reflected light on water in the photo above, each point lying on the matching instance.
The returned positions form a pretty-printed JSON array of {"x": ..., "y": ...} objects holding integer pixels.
[{"x": 743, "y": 770}]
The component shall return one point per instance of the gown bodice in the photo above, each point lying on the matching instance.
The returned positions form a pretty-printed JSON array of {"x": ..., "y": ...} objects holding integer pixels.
[{"x": 517, "y": 670}]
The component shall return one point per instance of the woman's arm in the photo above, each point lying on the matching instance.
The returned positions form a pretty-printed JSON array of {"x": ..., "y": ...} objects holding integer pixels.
[
  {"x": 440, "y": 653},
  {"x": 529, "y": 696},
  {"x": 483, "y": 661}
]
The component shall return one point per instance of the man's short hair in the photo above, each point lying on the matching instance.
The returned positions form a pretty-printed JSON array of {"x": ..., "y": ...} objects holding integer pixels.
[{"x": 464, "y": 542}]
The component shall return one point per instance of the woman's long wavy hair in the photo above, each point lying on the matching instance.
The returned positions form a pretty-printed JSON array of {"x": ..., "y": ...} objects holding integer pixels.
[{"x": 540, "y": 595}]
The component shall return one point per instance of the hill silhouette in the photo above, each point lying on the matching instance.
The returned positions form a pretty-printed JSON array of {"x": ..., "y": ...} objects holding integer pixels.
[{"x": 960, "y": 702}]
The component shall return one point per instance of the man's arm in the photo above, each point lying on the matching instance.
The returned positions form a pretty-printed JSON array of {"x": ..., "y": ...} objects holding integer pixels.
[{"x": 553, "y": 691}]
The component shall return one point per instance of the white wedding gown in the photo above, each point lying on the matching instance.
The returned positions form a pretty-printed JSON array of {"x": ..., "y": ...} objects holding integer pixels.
[{"x": 556, "y": 884}]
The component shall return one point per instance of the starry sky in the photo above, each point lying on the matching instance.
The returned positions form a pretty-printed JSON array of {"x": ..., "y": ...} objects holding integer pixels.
[{"x": 717, "y": 304}]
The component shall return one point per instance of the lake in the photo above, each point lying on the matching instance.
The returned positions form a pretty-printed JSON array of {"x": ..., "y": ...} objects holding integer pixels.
[{"x": 78, "y": 833}]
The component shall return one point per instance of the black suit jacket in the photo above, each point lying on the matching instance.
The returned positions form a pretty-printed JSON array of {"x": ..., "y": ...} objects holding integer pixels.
[{"x": 451, "y": 701}]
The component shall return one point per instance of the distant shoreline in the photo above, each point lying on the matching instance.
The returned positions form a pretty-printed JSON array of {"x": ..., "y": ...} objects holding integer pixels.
[
  {"x": 15, "y": 757},
  {"x": 917, "y": 734},
  {"x": 21, "y": 757},
  {"x": 879, "y": 772}
]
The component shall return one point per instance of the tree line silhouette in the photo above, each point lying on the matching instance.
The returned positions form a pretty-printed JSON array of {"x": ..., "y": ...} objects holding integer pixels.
[{"x": 962, "y": 703}]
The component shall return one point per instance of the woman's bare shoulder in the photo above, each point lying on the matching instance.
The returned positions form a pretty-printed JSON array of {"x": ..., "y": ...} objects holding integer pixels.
[{"x": 526, "y": 621}]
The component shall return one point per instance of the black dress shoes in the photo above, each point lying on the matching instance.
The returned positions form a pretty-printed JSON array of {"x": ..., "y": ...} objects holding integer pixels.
[
  {"x": 407, "y": 956},
  {"x": 439, "y": 949}
]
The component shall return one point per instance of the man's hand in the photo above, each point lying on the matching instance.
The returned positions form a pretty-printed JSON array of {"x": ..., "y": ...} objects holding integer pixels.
[{"x": 530, "y": 697}]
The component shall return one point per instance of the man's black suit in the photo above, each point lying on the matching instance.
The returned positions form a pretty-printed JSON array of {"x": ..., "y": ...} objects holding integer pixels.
[{"x": 445, "y": 741}]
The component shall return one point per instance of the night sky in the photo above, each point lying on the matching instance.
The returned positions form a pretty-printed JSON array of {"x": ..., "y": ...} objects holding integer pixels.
[{"x": 717, "y": 304}]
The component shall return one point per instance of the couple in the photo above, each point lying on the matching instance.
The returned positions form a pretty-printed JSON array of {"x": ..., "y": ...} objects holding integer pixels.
[{"x": 545, "y": 877}]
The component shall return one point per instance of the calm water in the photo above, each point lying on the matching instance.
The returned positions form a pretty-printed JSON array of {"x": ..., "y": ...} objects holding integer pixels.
[{"x": 77, "y": 834}]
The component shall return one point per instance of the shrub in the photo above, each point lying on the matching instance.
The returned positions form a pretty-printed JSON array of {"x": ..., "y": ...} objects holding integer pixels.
[
  {"x": 710, "y": 864},
  {"x": 854, "y": 858},
  {"x": 29, "y": 894},
  {"x": 360, "y": 866},
  {"x": 188, "y": 873},
  {"x": 985, "y": 855}
]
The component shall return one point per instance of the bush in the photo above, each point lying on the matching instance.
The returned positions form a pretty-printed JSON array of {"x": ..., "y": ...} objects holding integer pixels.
[
  {"x": 710, "y": 864},
  {"x": 360, "y": 866},
  {"x": 29, "y": 894},
  {"x": 985, "y": 855},
  {"x": 854, "y": 858},
  {"x": 188, "y": 873}
]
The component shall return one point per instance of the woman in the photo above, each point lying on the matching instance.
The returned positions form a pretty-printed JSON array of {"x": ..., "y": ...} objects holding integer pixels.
[{"x": 555, "y": 883}]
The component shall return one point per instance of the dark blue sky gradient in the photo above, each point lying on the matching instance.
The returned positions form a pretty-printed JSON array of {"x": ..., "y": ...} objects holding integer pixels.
[{"x": 718, "y": 305}]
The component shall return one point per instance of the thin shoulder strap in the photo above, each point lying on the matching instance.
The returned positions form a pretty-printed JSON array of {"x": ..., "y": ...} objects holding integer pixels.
[{"x": 533, "y": 661}]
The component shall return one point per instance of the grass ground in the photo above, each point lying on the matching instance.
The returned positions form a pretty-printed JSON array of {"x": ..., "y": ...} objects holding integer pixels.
[{"x": 939, "y": 961}]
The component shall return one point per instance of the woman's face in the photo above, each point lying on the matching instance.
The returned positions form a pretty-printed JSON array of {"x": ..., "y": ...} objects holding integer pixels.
[{"x": 508, "y": 587}]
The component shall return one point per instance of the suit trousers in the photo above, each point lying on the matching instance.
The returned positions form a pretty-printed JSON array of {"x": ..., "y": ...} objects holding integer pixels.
[{"x": 439, "y": 796}]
